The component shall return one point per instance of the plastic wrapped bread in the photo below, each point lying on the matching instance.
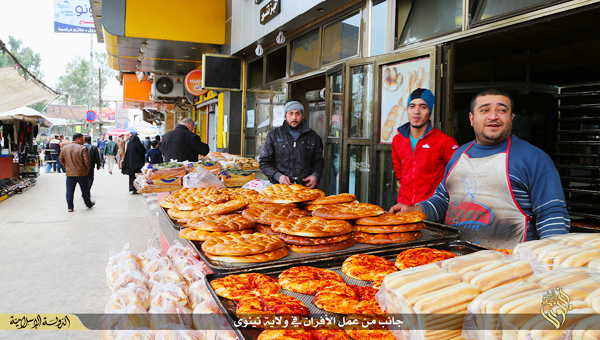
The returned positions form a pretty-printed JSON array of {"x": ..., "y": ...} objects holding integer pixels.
[
  {"x": 198, "y": 292},
  {"x": 563, "y": 251},
  {"x": 158, "y": 264},
  {"x": 136, "y": 277},
  {"x": 166, "y": 276},
  {"x": 153, "y": 253},
  {"x": 120, "y": 262},
  {"x": 195, "y": 273},
  {"x": 183, "y": 263},
  {"x": 131, "y": 317},
  {"x": 178, "y": 250},
  {"x": 178, "y": 316},
  {"x": 127, "y": 295},
  {"x": 162, "y": 294}
]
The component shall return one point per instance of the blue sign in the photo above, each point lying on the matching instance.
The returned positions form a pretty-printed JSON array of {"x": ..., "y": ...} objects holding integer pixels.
[
  {"x": 73, "y": 16},
  {"x": 90, "y": 116}
]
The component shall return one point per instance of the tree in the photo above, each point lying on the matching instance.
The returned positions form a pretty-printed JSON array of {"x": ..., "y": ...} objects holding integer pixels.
[
  {"x": 27, "y": 58},
  {"x": 76, "y": 80}
]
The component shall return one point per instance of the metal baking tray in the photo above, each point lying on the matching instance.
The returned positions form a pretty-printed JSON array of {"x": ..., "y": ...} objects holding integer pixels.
[
  {"x": 433, "y": 234},
  {"x": 174, "y": 224},
  {"x": 249, "y": 333}
]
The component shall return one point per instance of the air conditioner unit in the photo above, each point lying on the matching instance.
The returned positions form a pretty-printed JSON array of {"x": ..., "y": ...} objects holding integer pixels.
[{"x": 167, "y": 86}]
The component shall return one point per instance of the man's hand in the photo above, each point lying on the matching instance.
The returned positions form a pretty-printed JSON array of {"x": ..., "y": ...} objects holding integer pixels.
[
  {"x": 283, "y": 179},
  {"x": 404, "y": 208},
  {"x": 311, "y": 181}
]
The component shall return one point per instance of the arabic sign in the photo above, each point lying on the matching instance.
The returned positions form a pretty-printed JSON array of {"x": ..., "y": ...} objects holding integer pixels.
[
  {"x": 269, "y": 11},
  {"x": 73, "y": 16}
]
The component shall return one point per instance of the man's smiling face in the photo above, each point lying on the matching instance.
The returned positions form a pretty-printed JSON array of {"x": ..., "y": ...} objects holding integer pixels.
[{"x": 491, "y": 119}]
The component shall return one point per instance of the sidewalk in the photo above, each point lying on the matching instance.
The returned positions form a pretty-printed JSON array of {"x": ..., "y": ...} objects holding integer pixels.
[{"x": 53, "y": 261}]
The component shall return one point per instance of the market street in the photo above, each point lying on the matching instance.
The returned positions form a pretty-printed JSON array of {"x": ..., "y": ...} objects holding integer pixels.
[{"x": 54, "y": 261}]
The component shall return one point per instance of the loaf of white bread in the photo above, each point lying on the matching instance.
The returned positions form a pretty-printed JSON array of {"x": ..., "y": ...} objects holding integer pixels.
[
  {"x": 513, "y": 311},
  {"x": 570, "y": 250},
  {"x": 433, "y": 299}
]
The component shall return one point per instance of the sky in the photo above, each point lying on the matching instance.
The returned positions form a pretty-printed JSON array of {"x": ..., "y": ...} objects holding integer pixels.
[{"x": 32, "y": 21}]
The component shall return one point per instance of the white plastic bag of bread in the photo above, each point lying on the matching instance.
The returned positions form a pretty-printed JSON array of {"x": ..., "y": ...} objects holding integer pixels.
[
  {"x": 152, "y": 253},
  {"x": 183, "y": 263},
  {"x": 120, "y": 262},
  {"x": 131, "y": 317},
  {"x": 178, "y": 251},
  {"x": 166, "y": 276},
  {"x": 552, "y": 305},
  {"x": 208, "y": 316},
  {"x": 162, "y": 294},
  {"x": 135, "y": 276},
  {"x": 158, "y": 264},
  {"x": 196, "y": 272},
  {"x": 198, "y": 292},
  {"x": 433, "y": 299},
  {"x": 128, "y": 295},
  {"x": 160, "y": 317},
  {"x": 570, "y": 250}
]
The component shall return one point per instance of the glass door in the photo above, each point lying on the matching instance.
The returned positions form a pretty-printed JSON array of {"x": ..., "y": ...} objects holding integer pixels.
[{"x": 330, "y": 183}]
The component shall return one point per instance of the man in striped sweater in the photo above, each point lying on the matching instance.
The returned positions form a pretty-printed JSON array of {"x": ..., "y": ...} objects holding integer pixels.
[{"x": 497, "y": 190}]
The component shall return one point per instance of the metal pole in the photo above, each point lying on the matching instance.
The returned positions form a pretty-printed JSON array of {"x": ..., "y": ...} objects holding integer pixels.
[{"x": 90, "y": 99}]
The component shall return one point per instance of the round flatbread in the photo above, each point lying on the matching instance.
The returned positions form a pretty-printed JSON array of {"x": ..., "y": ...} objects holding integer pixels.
[
  {"x": 237, "y": 287},
  {"x": 176, "y": 214},
  {"x": 312, "y": 241},
  {"x": 322, "y": 248},
  {"x": 313, "y": 207},
  {"x": 307, "y": 280},
  {"x": 227, "y": 222},
  {"x": 343, "y": 298},
  {"x": 265, "y": 229},
  {"x": 203, "y": 235},
  {"x": 242, "y": 245},
  {"x": 293, "y": 193},
  {"x": 220, "y": 209},
  {"x": 265, "y": 205},
  {"x": 421, "y": 256},
  {"x": 361, "y": 237},
  {"x": 239, "y": 191},
  {"x": 300, "y": 334},
  {"x": 272, "y": 214},
  {"x": 261, "y": 309},
  {"x": 366, "y": 267},
  {"x": 333, "y": 199},
  {"x": 388, "y": 229},
  {"x": 348, "y": 212},
  {"x": 195, "y": 203},
  {"x": 393, "y": 219},
  {"x": 256, "y": 258},
  {"x": 313, "y": 227}
]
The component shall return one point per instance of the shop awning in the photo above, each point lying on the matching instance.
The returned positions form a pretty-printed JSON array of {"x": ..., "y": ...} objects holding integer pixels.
[
  {"x": 18, "y": 92},
  {"x": 28, "y": 115}
]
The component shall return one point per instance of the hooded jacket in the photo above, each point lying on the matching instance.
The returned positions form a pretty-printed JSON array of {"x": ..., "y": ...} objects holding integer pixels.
[
  {"x": 182, "y": 144},
  {"x": 281, "y": 155},
  {"x": 420, "y": 171}
]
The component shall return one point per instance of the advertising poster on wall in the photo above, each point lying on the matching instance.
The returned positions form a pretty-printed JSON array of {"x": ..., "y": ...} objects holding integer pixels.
[
  {"x": 73, "y": 16},
  {"x": 397, "y": 83}
]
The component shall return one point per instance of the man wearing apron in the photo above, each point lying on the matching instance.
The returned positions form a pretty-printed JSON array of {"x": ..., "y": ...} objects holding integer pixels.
[{"x": 497, "y": 190}]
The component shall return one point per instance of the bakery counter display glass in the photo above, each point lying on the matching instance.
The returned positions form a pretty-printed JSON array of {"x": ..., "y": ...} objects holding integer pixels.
[{"x": 328, "y": 295}]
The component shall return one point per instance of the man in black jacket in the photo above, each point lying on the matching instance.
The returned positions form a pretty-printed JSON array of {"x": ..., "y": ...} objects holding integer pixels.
[
  {"x": 293, "y": 152},
  {"x": 182, "y": 144},
  {"x": 95, "y": 160}
]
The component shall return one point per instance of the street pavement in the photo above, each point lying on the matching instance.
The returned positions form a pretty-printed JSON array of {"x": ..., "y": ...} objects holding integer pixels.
[{"x": 53, "y": 261}]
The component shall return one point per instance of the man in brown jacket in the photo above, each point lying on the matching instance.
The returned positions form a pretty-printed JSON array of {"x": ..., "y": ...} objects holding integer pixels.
[{"x": 76, "y": 159}]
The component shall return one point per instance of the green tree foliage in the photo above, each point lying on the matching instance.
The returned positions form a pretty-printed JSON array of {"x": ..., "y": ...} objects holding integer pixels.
[
  {"x": 76, "y": 81},
  {"x": 27, "y": 58}
]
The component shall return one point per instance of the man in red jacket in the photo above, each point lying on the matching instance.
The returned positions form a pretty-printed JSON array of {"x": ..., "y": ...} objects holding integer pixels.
[{"x": 420, "y": 152}]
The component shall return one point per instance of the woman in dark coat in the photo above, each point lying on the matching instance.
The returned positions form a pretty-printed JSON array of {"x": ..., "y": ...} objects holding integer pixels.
[{"x": 133, "y": 160}]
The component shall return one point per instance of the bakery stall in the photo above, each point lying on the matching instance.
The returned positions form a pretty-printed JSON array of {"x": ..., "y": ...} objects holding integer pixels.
[{"x": 290, "y": 262}]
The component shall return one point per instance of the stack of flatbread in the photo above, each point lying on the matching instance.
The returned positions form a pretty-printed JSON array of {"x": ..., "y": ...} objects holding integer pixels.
[
  {"x": 315, "y": 235},
  {"x": 250, "y": 248},
  {"x": 389, "y": 228}
]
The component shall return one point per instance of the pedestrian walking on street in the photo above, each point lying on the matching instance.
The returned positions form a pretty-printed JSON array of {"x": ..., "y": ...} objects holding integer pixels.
[
  {"x": 76, "y": 159},
  {"x": 110, "y": 150},
  {"x": 101, "y": 144},
  {"x": 54, "y": 146},
  {"x": 154, "y": 156},
  {"x": 146, "y": 143},
  {"x": 94, "y": 159},
  {"x": 134, "y": 160},
  {"x": 121, "y": 148}
]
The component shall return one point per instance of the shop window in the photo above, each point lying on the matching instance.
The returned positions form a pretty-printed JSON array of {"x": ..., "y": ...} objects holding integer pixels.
[
  {"x": 427, "y": 18},
  {"x": 278, "y": 109},
  {"x": 255, "y": 73},
  {"x": 335, "y": 105},
  {"x": 387, "y": 183},
  {"x": 340, "y": 39},
  {"x": 362, "y": 101},
  {"x": 378, "y": 26},
  {"x": 492, "y": 8},
  {"x": 276, "y": 64},
  {"x": 358, "y": 156},
  {"x": 263, "y": 120},
  {"x": 305, "y": 53}
]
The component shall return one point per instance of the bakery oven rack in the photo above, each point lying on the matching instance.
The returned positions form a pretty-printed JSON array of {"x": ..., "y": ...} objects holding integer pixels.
[
  {"x": 434, "y": 234},
  {"x": 228, "y": 307},
  {"x": 578, "y": 152}
]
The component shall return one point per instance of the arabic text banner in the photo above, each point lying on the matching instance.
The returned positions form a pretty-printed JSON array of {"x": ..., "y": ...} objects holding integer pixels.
[{"x": 73, "y": 16}]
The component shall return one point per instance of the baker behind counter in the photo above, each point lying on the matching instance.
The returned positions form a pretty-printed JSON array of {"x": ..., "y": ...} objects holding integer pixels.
[{"x": 497, "y": 190}]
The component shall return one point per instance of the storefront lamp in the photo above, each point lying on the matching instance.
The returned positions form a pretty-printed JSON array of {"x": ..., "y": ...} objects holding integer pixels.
[
  {"x": 280, "y": 38},
  {"x": 259, "y": 50}
]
